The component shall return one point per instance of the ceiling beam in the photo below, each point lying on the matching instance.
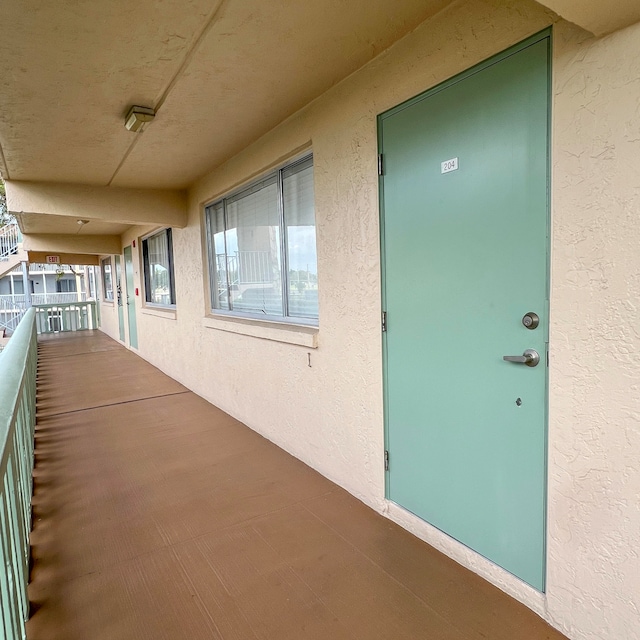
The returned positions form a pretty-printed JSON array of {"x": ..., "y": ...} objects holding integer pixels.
[
  {"x": 53, "y": 244},
  {"x": 596, "y": 16},
  {"x": 166, "y": 207},
  {"x": 41, "y": 257}
]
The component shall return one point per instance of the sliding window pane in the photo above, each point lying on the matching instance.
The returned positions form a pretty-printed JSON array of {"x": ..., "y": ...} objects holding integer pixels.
[
  {"x": 300, "y": 224},
  {"x": 218, "y": 272},
  {"x": 107, "y": 283},
  {"x": 253, "y": 249},
  {"x": 158, "y": 265}
]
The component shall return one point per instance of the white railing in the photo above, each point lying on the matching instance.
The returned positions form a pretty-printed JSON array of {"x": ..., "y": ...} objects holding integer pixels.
[
  {"x": 9, "y": 238},
  {"x": 19, "y": 299},
  {"x": 72, "y": 316},
  {"x": 245, "y": 267},
  {"x": 37, "y": 267},
  {"x": 13, "y": 307},
  {"x": 10, "y": 319}
]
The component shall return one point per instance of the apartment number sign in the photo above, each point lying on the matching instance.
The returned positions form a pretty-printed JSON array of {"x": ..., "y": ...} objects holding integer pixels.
[{"x": 449, "y": 165}]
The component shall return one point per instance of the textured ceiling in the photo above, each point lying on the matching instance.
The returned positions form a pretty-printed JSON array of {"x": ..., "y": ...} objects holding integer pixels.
[
  {"x": 37, "y": 223},
  {"x": 221, "y": 73}
]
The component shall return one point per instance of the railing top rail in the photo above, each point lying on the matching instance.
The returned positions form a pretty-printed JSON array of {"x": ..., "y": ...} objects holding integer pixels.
[
  {"x": 13, "y": 362},
  {"x": 75, "y": 303},
  {"x": 18, "y": 363},
  {"x": 9, "y": 228}
]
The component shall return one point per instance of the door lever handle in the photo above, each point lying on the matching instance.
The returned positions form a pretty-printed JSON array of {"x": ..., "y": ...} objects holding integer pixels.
[{"x": 530, "y": 357}]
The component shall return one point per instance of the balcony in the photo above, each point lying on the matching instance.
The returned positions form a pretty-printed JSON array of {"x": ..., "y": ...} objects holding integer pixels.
[
  {"x": 54, "y": 312},
  {"x": 156, "y": 515}
]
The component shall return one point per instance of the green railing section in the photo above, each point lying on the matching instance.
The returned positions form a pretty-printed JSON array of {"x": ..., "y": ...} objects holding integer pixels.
[
  {"x": 68, "y": 316},
  {"x": 18, "y": 363}
]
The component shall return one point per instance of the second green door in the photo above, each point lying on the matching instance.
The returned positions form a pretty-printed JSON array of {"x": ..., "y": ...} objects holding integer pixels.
[{"x": 130, "y": 298}]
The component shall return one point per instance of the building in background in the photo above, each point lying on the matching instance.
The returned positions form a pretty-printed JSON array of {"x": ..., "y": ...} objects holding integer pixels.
[{"x": 48, "y": 284}]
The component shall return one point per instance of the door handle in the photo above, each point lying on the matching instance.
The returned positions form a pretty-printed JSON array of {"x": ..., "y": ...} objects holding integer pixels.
[{"x": 530, "y": 357}]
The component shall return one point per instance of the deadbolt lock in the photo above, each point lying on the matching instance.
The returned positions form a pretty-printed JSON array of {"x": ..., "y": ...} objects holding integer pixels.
[{"x": 530, "y": 320}]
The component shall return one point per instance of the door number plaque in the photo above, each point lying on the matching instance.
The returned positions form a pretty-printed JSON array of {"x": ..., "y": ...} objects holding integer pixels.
[{"x": 449, "y": 165}]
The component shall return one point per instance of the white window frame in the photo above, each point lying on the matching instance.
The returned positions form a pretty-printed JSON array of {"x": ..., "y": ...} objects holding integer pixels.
[
  {"x": 285, "y": 318},
  {"x": 105, "y": 290},
  {"x": 145, "y": 269}
]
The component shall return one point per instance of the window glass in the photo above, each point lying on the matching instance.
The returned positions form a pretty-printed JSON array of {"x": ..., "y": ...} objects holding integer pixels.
[
  {"x": 66, "y": 285},
  {"x": 92, "y": 283},
  {"x": 107, "y": 283},
  {"x": 218, "y": 268},
  {"x": 253, "y": 250},
  {"x": 262, "y": 247},
  {"x": 158, "y": 268},
  {"x": 301, "y": 241}
]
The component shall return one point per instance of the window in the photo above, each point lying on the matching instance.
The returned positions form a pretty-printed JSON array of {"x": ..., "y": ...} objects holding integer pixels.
[
  {"x": 92, "y": 283},
  {"x": 66, "y": 285},
  {"x": 262, "y": 248},
  {"x": 107, "y": 282},
  {"x": 157, "y": 255}
]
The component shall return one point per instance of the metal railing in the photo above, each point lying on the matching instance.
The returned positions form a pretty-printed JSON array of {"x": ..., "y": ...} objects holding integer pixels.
[
  {"x": 72, "y": 316},
  {"x": 10, "y": 317},
  {"x": 245, "y": 267},
  {"x": 18, "y": 363},
  {"x": 19, "y": 299},
  {"x": 9, "y": 238},
  {"x": 37, "y": 267}
]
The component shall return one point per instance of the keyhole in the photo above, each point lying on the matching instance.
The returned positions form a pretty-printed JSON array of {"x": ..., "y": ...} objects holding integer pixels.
[{"x": 518, "y": 401}]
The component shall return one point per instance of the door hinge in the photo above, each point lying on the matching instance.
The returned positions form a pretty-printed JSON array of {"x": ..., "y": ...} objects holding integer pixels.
[
  {"x": 384, "y": 321},
  {"x": 386, "y": 460},
  {"x": 380, "y": 164}
]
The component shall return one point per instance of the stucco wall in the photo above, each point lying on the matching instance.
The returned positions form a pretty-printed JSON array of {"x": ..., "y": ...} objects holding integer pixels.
[
  {"x": 109, "y": 319},
  {"x": 594, "y": 478},
  {"x": 330, "y": 414}
]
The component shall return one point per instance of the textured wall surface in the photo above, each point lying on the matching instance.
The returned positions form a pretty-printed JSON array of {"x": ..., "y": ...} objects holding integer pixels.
[
  {"x": 109, "y": 319},
  {"x": 330, "y": 415},
  {"x": 594, "y": 467}
]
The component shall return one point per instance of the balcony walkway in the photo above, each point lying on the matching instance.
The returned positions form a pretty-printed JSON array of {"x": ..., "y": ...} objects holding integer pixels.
[{"x": 159, "y": 517}]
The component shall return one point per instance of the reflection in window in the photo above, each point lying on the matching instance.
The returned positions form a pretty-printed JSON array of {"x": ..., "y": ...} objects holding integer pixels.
[
  {"x": 107, "y": 282},
  {"x": 262, "y": 247},
  {"x": 157, "y": 254}
]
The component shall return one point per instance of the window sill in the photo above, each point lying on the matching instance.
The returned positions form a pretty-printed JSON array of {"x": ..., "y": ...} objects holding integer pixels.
[
  {"x": 168, "y": 314},
  {"x": 297, "y": 334}
]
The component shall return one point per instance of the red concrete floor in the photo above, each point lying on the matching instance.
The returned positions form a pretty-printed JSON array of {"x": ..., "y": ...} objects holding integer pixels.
[{"x": 157, "y": 516}]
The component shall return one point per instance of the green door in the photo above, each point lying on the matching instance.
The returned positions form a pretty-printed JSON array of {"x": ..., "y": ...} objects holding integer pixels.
[
  {"x": 465, "y": 218},
  {"x": 131, "y": 299},
  {"x": 119, "y": 297}
]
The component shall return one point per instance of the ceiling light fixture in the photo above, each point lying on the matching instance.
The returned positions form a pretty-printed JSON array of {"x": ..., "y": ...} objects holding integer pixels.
[
  {"x": 82, "y": 222},
  {"x": 138, "y": 117}
]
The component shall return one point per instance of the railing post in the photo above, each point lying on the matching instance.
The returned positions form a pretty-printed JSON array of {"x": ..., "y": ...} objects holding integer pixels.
[{"x": 27, "y": 288}]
